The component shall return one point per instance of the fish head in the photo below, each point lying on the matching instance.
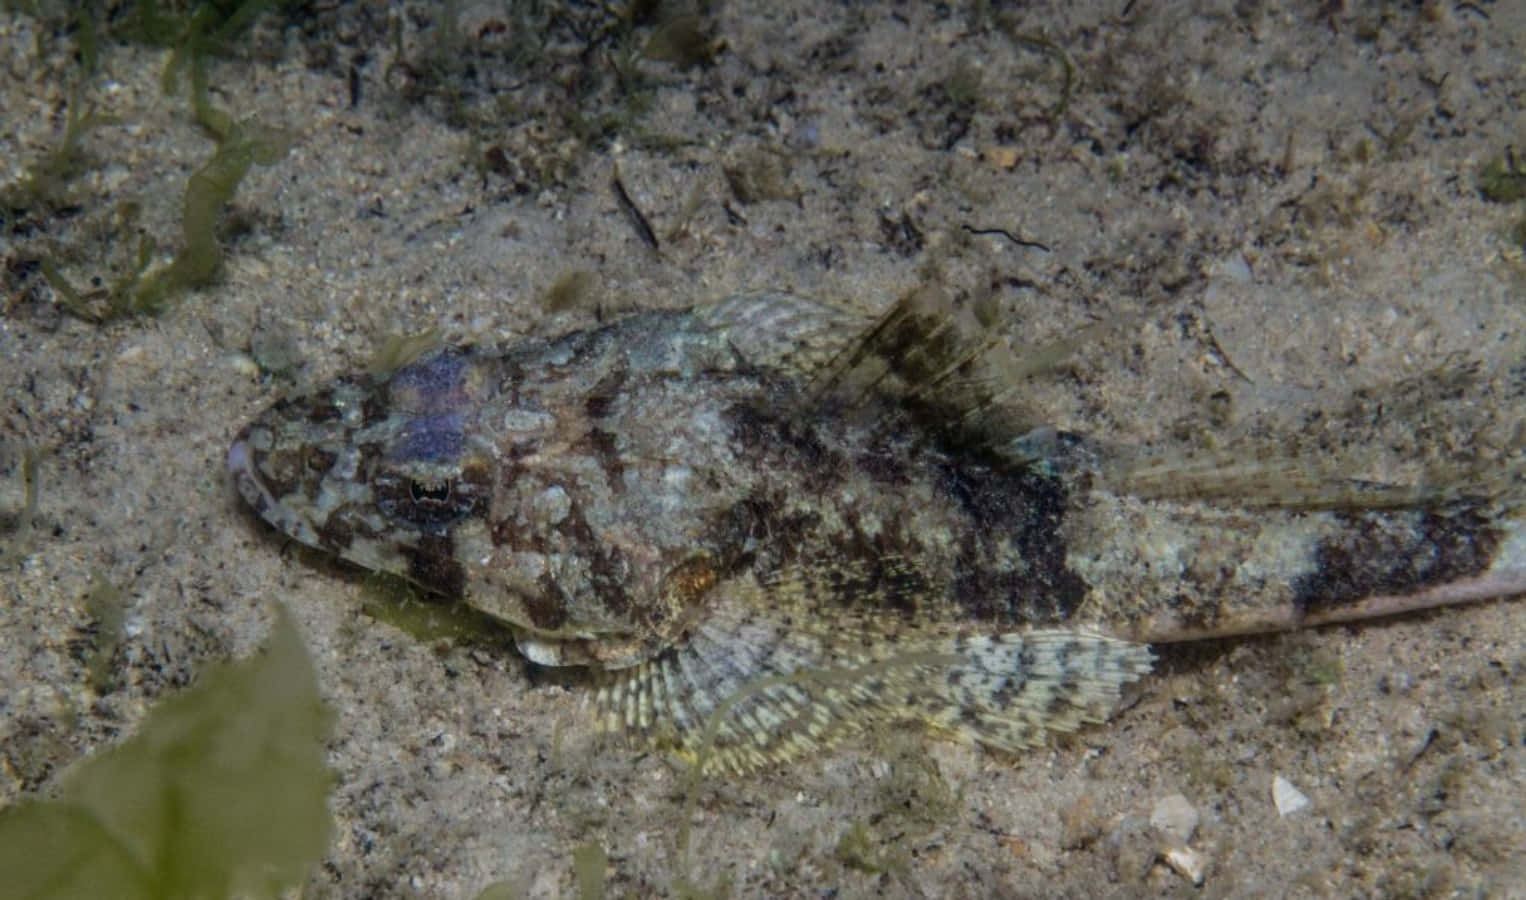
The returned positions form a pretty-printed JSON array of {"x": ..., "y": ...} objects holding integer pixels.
[
  {"x": 377, "y": 470},
  {"x": 478, "y": 479}
]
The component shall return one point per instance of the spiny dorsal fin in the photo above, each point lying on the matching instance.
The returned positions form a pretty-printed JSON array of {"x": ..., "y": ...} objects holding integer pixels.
[
  {"x": 921, "y": 354},
  {"x": 953, "y": 373}
]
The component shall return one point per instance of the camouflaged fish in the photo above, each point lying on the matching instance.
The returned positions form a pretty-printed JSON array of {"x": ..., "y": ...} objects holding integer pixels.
[{"x": 765, "y": 524}]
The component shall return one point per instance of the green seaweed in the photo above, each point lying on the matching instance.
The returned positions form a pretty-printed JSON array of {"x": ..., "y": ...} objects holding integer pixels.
[
  {"x": 502, "y": 890},
  {"x": 561, "y": 109},
  {"x": 45, "y": 176},
  {"x": 568, "y": 291},
  {"x": 193, "y": 31},
  {"x": 588, "y": 864},
  {"x": 860, "y": 848},
  {"x": 106, "y": 605},
  {"x": 398, "y": 350},
  {"x": 1517, "y": 233},
  {"x": 1038, "y": 42},
  {"x": 207, "y": 192},
  {"x": 687, "y": 40},
  {"x": 395, "y": 601},
  {"x": 28, "y": 461},
  {"x": 222, "y": 792},
  {"x": 144, "y": 291},
  {"x": 101, "y": 304},
  {"x": 1502, "y": 180}
]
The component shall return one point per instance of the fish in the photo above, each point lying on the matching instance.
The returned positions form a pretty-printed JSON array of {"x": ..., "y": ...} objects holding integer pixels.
[{"x": 766, "y": 524}]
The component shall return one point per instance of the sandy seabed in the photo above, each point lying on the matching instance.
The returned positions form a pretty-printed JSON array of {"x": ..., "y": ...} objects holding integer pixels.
[{"x": 1283, "y": 204}]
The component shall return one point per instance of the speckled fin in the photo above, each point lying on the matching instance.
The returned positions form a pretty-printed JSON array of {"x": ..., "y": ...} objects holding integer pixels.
[
  {"x": 753, "y": 686},
  {"x": 948, "y": 371},
  {"x": 952, "y": 374},
  {"x": 783, "y": 331},
  {"x": 1273, "y": 479}
]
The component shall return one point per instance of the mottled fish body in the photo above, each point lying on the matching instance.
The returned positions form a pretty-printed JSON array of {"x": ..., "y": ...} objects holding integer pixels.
[{"x": 762, "y": 518}]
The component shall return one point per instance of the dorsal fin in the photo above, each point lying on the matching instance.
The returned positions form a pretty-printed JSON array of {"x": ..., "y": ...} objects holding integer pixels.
[
  {"x": 942, "y": 366},
  {"x": 1343, "y": 460},
  {"x": 783, "y": 331},
  {"x": 1272, "y": 478},
  {"x": 922, "y": 354}
]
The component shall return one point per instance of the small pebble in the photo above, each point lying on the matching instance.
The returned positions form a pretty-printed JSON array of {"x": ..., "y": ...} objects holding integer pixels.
[
  {"x": 1175, "y": 817},
  {"x": 1187, "y": 863},
  {"x": 1287, "y": 798}
]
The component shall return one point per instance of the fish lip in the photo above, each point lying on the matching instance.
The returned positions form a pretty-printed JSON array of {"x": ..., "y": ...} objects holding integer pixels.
[
  {"x": 251, "y": 487},
  {"x": 241, "y": 467}
]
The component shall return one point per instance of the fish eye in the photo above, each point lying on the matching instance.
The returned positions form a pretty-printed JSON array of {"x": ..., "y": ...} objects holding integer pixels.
[
  {"x": 423, "y": 492},
  {"x": 318, "y": 460},
  {"x": 427, "y": 502}
]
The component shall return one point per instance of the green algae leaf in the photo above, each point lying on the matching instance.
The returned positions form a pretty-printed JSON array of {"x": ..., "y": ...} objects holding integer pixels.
[
  {"x": 222, "y": 793},
  {"x": 207, "y": 192}
]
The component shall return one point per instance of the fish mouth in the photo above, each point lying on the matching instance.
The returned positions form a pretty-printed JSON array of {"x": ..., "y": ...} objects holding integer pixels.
[
  {"x": 304, "y": 484},
  {"x": 243, "y": 466}
]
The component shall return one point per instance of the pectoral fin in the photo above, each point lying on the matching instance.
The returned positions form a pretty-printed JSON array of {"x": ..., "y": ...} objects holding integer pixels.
[{"x": 753, "y": 687}]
